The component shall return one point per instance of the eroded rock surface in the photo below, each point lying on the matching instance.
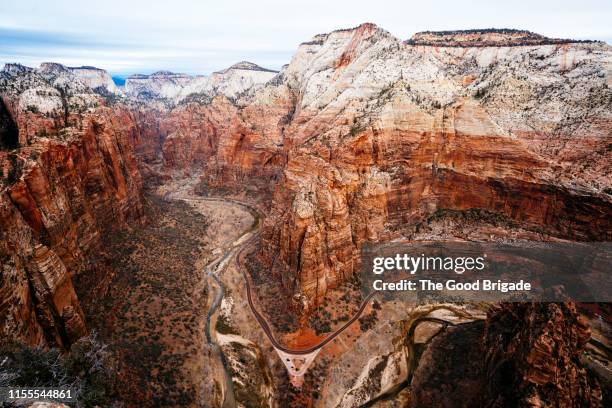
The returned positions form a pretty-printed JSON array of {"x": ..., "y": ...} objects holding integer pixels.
[
  {"x": 74, "y": 177},
  {"x": 522, "y": 355}
]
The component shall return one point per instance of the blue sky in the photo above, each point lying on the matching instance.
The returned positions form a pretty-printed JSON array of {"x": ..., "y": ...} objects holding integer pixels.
[{"x": 200, "y": 36}]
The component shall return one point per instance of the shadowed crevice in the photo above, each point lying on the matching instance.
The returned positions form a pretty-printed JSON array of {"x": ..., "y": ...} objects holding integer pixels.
[{"x": 9, "y": 133}]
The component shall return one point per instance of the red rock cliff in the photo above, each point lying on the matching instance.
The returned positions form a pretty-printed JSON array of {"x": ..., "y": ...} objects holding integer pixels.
[
  {"x": 362, "y": 136},
  {"x": 60, "y": 191}
]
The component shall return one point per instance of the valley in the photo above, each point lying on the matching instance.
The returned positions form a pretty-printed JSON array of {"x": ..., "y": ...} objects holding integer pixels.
[{"x": 209, "y": 228}]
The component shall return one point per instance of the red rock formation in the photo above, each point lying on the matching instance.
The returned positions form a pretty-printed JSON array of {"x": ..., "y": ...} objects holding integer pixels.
[
  {"x": 524, "y": 355},
  {"x": 364, "y": 168},
  {"x": 362, "y": 136},
  {"x": 232, "y": 146},
  {"x": 367, "y": 186},
  {"x": 532, "y": 357},
  {"x": 60, "y": 195}
]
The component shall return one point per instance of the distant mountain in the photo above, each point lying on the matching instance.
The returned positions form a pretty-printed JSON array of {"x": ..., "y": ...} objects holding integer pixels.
[
  {"x": 175, "y": 87},
  {"x": 481, "y": 135}
]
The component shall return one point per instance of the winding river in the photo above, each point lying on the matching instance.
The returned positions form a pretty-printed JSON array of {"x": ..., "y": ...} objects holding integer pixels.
[{"x": 213, "y": 270}]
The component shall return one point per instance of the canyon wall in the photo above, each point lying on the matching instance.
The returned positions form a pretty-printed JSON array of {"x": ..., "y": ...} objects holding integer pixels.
[
  {"x": 73, "y": 176},
  {"x": 173, "y": 88},
  {"x": 386, "y": 134},
  {"x": 362, "y": 136},
  {"x": 234, "y": 147},
  {"x": 523, "y": 354},
  {"x": 73, "y": 151}
]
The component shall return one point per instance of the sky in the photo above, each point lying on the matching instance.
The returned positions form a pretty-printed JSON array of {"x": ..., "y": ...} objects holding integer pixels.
[{"x": 201, "y": 36}]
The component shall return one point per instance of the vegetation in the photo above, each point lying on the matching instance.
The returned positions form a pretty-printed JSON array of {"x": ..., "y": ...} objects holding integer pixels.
[
  {"x": 201, "y": 98},
  {"x": 368, "y": 321},
  {"x": 356, "y": 127},
  {"x": 523, "y": 37},
  {"x": 110, "y": 98},
  {"x": 32, "y": 108},
  {"x": 273, "y": 296},
  {"x": 480, "y": 93},
  {"x": 224, "y": 325},
  {"x": 87, "y": 368},
  {"x": 338, "y": 307},
  {"x": 151, "y": 311}
]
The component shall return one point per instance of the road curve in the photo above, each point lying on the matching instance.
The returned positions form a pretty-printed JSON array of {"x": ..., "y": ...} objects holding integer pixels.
[{"x": 263, "y": 323}]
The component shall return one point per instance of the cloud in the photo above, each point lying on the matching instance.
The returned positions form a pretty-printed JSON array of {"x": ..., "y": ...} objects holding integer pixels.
[
  {"x": 197, "y": 36},
  {"x": 31, "y": 47}
]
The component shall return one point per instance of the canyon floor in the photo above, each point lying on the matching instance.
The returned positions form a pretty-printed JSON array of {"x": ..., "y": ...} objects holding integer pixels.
[{"x": 153, "y": 315}]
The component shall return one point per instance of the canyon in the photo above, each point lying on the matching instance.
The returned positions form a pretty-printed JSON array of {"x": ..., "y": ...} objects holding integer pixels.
[{"x": 490, "y": 135}]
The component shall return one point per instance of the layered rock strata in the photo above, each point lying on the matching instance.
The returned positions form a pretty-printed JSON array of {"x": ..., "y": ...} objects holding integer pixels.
[
  {"x": 69, "y": 173},
  {"x": 380, "y": 134},
  {"x": 524, "y": 355},
  {"x": 362, "y": 136},
  {"x": 175, "y": 88}
]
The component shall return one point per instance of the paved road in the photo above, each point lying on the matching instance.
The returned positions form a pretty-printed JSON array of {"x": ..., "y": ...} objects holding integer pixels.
[
  {"x": 263, "y": 323},
  {"x": 239, "y": 261}
]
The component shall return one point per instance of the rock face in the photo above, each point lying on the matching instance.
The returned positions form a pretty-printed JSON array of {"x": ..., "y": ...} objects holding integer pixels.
[
  {"x": 532, "y": 357},
  {"x": 69, "y": 173},
  {"x": 359, "y": 138},
  {"x": 237, "y": 78},
  {"x": 451, "y": 366},
  {"x": 88, "y": 77},
  {"x": 379, "y": 134},
  {"x": 235, "y": 147},
  {"x": 484, "y": 38},
  {"x": 523, "y": 355},
  {"x": 74, "y": 176},
  {"x": 161, "y": 84},
  {"x": 363, "y": 135}
]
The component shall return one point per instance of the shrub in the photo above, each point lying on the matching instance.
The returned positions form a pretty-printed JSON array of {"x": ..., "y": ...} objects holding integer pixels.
[
  {"x": 480, "y": 93},
  {"x": 32, "y": 108},
  {"x": 87, "y": 368}
]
